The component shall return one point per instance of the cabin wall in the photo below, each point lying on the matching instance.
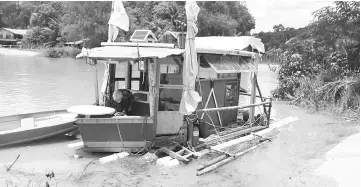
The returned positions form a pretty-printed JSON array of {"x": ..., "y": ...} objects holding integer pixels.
[{"x": 223, "y": 99}]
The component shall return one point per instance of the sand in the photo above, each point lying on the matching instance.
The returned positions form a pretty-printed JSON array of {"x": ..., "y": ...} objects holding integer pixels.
[
  {"x": 342, "y": 162},
  {"x": 291, "y": 159}
]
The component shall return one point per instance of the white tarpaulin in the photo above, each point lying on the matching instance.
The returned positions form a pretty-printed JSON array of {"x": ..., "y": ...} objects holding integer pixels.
[{"x": 190, "y": 98}]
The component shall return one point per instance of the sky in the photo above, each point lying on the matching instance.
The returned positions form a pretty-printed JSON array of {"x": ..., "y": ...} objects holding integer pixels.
[{"x": 295, "y": 13}]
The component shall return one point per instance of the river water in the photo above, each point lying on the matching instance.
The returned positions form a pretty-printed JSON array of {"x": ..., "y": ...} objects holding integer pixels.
[{"x": 35, "y": 83}]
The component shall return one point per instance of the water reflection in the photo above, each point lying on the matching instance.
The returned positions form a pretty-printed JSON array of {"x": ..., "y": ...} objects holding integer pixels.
[{"x": 30, "y": 84}]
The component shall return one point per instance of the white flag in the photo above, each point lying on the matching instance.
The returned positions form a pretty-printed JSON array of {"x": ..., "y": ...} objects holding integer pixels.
[{"x": 119, "y": 17}]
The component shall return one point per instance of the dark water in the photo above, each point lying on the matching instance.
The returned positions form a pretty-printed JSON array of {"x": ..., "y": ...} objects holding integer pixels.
[{"x": 34, "y": 83}]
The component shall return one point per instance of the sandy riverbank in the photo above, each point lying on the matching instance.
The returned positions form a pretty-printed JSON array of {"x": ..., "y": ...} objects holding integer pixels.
[
  {"x": 17, "y": 52},
  {"x": 342, "y": 162},
  {"x": 289, "y": 160}
]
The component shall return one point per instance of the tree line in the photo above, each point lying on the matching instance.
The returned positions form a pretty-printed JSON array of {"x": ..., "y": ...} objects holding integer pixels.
[
  {"x": 54, "y": 22},
  {"x": 319, "y": 65}
]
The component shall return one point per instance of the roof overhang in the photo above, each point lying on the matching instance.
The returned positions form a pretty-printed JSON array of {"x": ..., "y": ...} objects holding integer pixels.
[{"x": 229, "y": 44}]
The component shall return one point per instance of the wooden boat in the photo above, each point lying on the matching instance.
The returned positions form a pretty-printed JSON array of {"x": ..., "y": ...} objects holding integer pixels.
[{"x": 24, "y": 128}]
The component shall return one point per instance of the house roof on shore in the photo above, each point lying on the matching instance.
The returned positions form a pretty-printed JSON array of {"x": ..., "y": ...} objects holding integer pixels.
[{"x": 16, "y": 31}]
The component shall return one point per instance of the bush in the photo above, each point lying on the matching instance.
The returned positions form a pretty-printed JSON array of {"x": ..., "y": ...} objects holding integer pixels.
[{"x": 62, "y": 52}]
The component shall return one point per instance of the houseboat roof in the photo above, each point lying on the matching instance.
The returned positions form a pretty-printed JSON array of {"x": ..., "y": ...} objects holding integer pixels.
[
  {"x": 16, "y": 31},
  {"x": 213, "y": 44},
  {"x": 129, "y": 52},
  {"x": 206, "y": 45}
]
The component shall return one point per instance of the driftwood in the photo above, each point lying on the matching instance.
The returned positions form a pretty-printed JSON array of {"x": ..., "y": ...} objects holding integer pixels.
[
  {"x": 8, "y": 168},
  {"x": 223, "y": 161}
]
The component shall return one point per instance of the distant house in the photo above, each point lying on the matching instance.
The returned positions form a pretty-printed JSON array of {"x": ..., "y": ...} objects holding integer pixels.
[
  {"x": 77, "y": 44},
  {"x": 173, "y": 37},
  {"x": 11, "y": 36}
]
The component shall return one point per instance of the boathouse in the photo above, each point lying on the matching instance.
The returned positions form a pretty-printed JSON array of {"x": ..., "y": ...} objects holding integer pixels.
[{"x": 11, "y": 36}]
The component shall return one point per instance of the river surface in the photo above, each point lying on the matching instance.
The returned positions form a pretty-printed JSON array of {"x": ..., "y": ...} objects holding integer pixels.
[{"x": 35, "y": 83}]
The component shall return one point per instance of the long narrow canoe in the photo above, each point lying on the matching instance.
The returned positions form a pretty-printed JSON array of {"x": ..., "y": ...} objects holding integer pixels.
[{"x": 24, "y": 128}]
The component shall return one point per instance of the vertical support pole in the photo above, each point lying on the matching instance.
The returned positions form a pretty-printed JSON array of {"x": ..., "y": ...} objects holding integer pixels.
[
  {"x": 156, "y": 92},
  {"x": 141, "y": 81},
  {"x": 190, "y": 133},
  {"x": 128, "y": 76},
  {"x": 253, "y": 97},
  {"x": 112, "y": 68},
  {"x": 96, "y": 85},
  {"x": 269, "y": 111}
]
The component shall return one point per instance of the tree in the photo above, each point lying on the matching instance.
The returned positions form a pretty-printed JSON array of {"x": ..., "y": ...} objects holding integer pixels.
[
  {"x": 278, "y": 28},
  {"x": 224, "y": 18},
  {"x": 171, "y": 11}
]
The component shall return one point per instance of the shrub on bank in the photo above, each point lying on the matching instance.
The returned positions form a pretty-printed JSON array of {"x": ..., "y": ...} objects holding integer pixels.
[{"x": 62, "y": 52}]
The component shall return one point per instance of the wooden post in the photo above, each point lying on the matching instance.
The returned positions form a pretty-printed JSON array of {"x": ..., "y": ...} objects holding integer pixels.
[
  {"x": 96, "y": 86},
  {"x": 156, "y": 92},
  {"x": 253, "y": 97}
]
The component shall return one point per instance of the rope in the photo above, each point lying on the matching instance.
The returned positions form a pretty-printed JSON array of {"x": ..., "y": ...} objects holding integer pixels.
[{"x": 120, "y": 136}]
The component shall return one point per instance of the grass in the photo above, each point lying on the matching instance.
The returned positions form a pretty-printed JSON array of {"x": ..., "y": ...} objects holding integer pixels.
[
  {"x": 340, "y": 97},
  {"x": 62, "y": 52}
]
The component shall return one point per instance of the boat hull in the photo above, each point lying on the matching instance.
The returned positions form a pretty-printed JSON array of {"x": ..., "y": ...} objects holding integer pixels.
[
  {"x": 114, "y": 135},
  {"x": 36, "y": 128},
  {"x": 30, "y": 135}
]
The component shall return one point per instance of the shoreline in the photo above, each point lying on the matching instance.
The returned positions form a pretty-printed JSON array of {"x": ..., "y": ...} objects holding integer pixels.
[{"x": 17, "y": 52}]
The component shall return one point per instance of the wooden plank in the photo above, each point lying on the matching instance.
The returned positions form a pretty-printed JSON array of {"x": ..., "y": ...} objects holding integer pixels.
[{"x": 175, "y": 155}]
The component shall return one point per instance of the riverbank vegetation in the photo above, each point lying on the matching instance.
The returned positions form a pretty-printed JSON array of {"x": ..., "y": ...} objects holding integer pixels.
[
  {"x": 319, "y": 65},
  {"x": 51, "y": 24}
]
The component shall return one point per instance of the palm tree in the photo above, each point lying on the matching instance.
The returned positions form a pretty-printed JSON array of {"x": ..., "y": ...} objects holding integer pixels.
[{"x": 171, "y": 11}]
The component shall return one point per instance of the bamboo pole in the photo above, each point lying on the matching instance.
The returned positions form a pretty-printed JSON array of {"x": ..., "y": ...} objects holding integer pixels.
[
  {"x": 231, "y": 107},
  {"x": 248, "y": 138},
  {"x": 253, "y": 97},
  {"x": 235, "y": 134},
  {"x": 225, "y": 161},
  {"x": 261, "y": 133},
  {"x": 260, "y": 94}
]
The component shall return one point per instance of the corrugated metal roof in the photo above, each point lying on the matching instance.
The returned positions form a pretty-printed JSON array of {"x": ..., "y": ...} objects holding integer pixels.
[
  {"x": 17, "y": 31},
  {"x": 229, "y": 63}
]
